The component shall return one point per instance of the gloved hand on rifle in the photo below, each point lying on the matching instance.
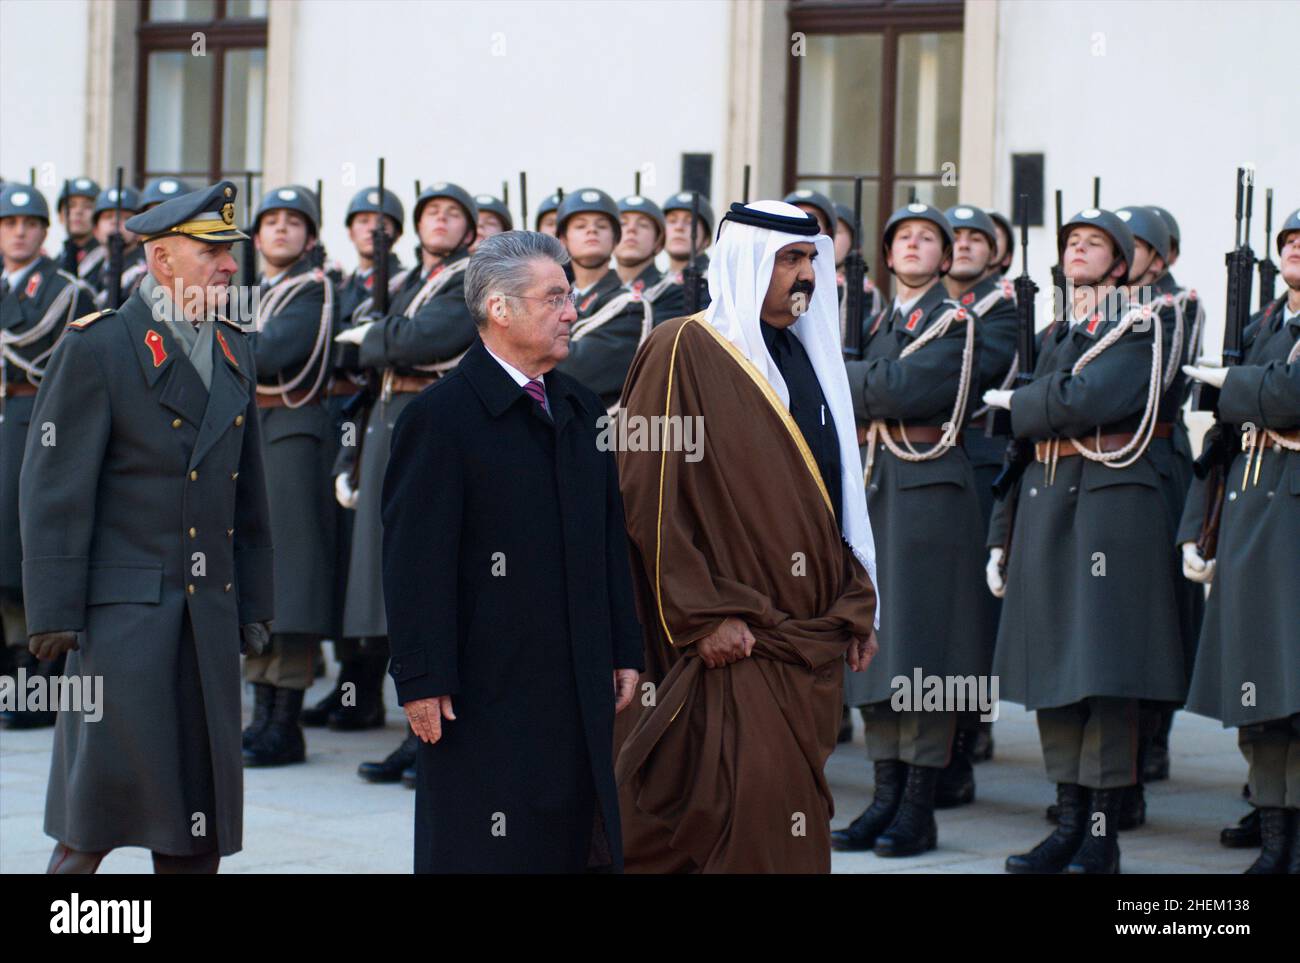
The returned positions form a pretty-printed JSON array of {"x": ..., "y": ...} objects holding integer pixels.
[
  {"x": 998, "y": 398},
  {"x": 353, "y": 335},
  {"x": 1195, "y": 568},
  {"x": 1206, "y": 373}
]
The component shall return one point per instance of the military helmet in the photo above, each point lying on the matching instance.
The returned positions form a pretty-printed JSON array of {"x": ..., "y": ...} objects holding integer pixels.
[
  {"x": 486, "y": 202},
  {"x": 76, "y": 187},
  {"x": 366, "y": 201},
  {"x": 551, "y": 202},
  {"x": 1170, "y": 222},
  {"x": 163, "y": 189},
  {"x": 1149, "y": 226},
  {"x": 19, "y": 199},
  {"x": 453, "y": 192},
  {"x": 1104, "y": 221},
  {"x": 588, "y": 200},
  {"x": 1003, "y": 222},
  {"x": 107, "y": 200},
  {"x": 636, "y": 204},
  {"x": 845, "y": 213},
  {"x": 291, "y": 197},
  {"x": 977, "y": 219},
  {"x": 681, "y": 201},
  {"x": 814, "y": 199},
  {"x": 916, "y": 211},
  {"x": 1291, "y": 224}
]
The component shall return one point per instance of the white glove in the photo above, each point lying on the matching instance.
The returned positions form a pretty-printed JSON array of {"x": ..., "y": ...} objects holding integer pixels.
[
  {"x": 1195, "y": 568},
  {"x": 354, "y": 335},
  {"x": 1211, "y": 376},
  {"x": 998, "y": 398},
  {"x": 993, "y": 571},
  {"x": 344, "y": 493}
]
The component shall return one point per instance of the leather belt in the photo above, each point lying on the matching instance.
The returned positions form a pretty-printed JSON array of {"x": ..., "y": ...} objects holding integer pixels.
[
  {"x": 1265, "y": 440},
  {"x": 919, "y": 434},
  {"x": 20, "y": 389},
  {"x": 342, "y": 387},
  {"x": 409, "y": 384},
  {"x": 280, "y": 400},
  {"x": 1112, "y": 442}
]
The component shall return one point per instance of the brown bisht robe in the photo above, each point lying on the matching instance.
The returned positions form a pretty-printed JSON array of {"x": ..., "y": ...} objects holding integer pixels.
[{"x": 723, "y": 773}]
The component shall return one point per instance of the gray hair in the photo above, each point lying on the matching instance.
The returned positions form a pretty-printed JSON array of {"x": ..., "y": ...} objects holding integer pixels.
[{"x": 503, "y": 265}]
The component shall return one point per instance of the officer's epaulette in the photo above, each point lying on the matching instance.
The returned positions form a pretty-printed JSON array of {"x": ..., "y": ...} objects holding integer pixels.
[
  {"x": 225, "y": 320},
  {"x": 89, "y": 319}
]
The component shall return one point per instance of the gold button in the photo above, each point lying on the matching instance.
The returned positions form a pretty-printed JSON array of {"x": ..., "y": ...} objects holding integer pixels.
[
  {"x": 227, "y": 586},
  {"x": 230, "y": 533},
  {"x": 190, "y": 588},
  {"x": 194, "y": 476},
  {"x": 239, "y": 420},
  {"x": 176, "y": 422},
  {"x": 234, "y": 475},
  {"x": 193, "y": 532}
]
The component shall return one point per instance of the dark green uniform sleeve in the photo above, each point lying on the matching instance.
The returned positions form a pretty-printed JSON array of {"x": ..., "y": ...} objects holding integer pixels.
[
  {"x": 1267, "y": 395},
  {"x": 439, "y": 331},
  {"x": 919, "y": 387},
  {"x": 601, "y": 359},
  {"x": 1110, "y": 388},
  {"x": 285, "y": 344},
  {"x": 70, "y": 429}
]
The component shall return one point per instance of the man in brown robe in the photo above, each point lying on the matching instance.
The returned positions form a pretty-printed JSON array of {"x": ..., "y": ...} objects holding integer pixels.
[{"x": 752, "y": 559}]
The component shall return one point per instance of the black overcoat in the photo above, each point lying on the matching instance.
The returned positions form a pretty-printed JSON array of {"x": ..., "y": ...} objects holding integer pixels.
[{"x": 507, "y": 586}]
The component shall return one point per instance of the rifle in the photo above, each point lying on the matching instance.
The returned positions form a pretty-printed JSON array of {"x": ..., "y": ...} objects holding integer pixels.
[
  {"x": 1020, "y": 452},
  {"x": 1267, "y": 269},
  {"x": 505, "y": 193},
  {"x": 1096, "y": 192},
  {"x": 116, "y": 254},
  {"x": 744, "y": 195},
  {"x": 691, "y": 275},
  {"x": 855, "y": 272},
  {"x": 250, "y": 253},
  {"x": 364, "y": 400},
  {"x": 1058, "y": 272},
  {"x": 636, "y": 183},
  {"x": 523, "y": 201},
  {"x": 316, "y": 256},
  {"x": 1221, "y": 444}
]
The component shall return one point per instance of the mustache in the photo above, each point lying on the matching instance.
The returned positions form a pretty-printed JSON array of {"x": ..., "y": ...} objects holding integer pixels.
[{"x": 801, "y": 287}]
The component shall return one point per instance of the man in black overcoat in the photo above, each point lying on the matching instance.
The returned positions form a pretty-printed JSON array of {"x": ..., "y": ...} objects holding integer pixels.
[{"x": 507, "y": 588}]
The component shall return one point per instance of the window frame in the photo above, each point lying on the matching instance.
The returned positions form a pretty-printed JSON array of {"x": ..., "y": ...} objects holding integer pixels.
[{"x": 890, "y": 19}]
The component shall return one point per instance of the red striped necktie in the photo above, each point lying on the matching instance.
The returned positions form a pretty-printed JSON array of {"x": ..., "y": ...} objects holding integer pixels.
[{"x": 538, "y": 393}]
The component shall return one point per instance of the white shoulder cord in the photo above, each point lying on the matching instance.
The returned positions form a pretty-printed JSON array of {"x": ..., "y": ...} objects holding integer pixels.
[
  {"x": 1137, "y": 446},
  {"x": 280, "y": 296},
  {"x": 879, "y": 430},
  {"x": 60, "y": 312}
]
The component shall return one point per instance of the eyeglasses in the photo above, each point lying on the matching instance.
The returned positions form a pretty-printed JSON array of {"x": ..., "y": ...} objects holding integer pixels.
[{"x": 554, "y": 302}]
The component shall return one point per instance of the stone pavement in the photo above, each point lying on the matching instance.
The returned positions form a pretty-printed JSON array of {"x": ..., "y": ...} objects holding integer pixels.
[{"x": 320, "y": 818}]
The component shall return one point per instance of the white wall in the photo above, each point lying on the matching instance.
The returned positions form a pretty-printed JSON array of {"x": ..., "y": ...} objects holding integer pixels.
[
  {"x": 582, "y": 94},
  {"x": 1162, "y": 100},
  {"x": 43, "y": 96}
]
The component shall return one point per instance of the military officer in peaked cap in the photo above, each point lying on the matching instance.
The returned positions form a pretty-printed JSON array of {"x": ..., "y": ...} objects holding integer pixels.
[
  {"x": 76, "y": 206},
  {"x": 37, "y": 300},
  {"x": 147, "y": 551}
]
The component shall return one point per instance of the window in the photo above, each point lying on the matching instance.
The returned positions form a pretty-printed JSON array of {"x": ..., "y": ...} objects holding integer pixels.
[
  {"x": 202, "y": 92},
  {"x": 876, "y": 94}
]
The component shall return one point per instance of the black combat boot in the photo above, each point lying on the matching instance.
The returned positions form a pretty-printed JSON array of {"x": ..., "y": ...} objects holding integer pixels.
[
  {"x": 913, "y": 830},
  {"x": 957, "y": 779},
  {"x": 367, "y": 712},
  {"x": 281, "y": 742},
  {"x": 1053, "y": 854},
  {"x": 263, "y": 700},
  {"x": 319, "y": 714},
  {"x": 1274, "y": 828},
  {"x": 1244, "y": 835},
  {"x": 983, "y": 750},
  {"x": 860, "y": 835},
  {"x": 1098, "y": 855},
  {"x": 392, "y": 767},
  {"x": 1133, "y": 807}
]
